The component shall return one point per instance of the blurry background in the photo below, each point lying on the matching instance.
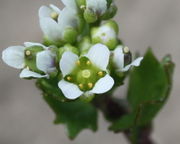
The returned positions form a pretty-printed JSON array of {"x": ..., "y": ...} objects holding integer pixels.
[{"x": 26, "y": 119}]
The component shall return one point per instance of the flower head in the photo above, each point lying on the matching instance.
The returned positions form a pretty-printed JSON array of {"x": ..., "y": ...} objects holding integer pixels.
[
  {"x": 35, "y": 60},
  {"x": 106, "y": 34},
  {"x": 86, "y": 74},
  {"x": 59, "y": 25},
  {"x": 122, "y": 59}
]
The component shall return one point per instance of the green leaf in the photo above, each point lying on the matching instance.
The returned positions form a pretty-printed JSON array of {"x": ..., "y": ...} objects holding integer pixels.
[
  {"x": 76, "y": 115},
  {"x": 149, "y": 88}
]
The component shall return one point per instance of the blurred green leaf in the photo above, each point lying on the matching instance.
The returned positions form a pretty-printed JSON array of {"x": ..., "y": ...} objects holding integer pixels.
[{"x": 149, "y": 88}]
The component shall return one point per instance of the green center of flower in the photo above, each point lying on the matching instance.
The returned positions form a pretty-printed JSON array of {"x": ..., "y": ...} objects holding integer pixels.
[{"x": 85, "y": 74}]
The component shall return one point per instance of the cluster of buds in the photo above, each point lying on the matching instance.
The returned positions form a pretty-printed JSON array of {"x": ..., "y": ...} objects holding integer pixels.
[{"x": 81, "y": 49}]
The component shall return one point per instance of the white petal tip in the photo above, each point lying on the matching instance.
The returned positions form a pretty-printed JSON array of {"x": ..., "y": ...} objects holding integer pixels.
[
  {"x": 25, "y": 73},
  {"x": 70, "y": 91},
  {"x": 103, "y": 85}
]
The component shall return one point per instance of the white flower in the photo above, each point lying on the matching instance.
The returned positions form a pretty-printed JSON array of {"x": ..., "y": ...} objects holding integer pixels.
[
  {"x": 118, "y": 59},
  {"x": 54, "y": 21},
  {"x": 86, "y": 75},
  {"x": 15, "y": 56},
  {"x": 96, "y": 6}
]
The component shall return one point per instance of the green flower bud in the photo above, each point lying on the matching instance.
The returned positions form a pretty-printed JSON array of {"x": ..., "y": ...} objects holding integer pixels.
[
  {"x": 48, "y": 42},
  {"x": 110, "y": 13},
  {"x": 81, "y": 24},
  {"x": 66, "y": 48},
  {"x": 113, "y": 25},
  {"x": 70, "y": 35},
  {"x": 90, "y": 16},
  {"x": 84, "y": 45},
  {"x": 106, "y": 34},
  {"x": 30, "y": 57},
  {"x": 81, "y": 3}
]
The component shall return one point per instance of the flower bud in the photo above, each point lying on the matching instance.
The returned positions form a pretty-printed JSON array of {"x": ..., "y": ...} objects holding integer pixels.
[
  {"x": 90, "y": 16},
  {"x": 81, "y": 3},
  {"x": 110, "y": 13},
  {"x": 106, "y": 34},
  {"x": 66, "y": 48},
  {"x": 84, "y": 45},
  {"x": 48, "y": 42}
]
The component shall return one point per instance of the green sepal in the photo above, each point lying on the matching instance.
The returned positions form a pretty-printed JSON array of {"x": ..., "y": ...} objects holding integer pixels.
[
  {"x": 110, "y": 12},
  {"x": 87, "y": 97},
  {"x": 70, "y": 35},
  {"x": 113, "y": 24},
  {"x": 48, "y": 42},
  {"x": 81, "y": 24},
  {"x": 67, "y": 48},
  {"x": 90, "y": 16},
  {"x": 81, "y": 3},
  {"x": 30, "y": 60},
  {"x": 84, "y": 45},
  {"x": 109, "y": 2},
  {"x": 146, "y": 100},
  {"x": 76, "y": 115}
]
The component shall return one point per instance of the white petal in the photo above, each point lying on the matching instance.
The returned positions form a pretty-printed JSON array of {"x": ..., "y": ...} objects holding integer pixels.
[
  {"x": 30, "y": 44},
  {"x": 70, "y": 91},
  {"x": 51, "y": 29},
  {"x": 67, "y": 18},
  {"x": 136, "y": 62},
  {"x": 98, "y": 6},
  {"x": 118, "y": 57},
  {"x": 45, "y": 61},
  {"x": 68, "y": 62},
  {"x": 99, "y": 55},
  {"x": 28, "y": 74},
  {"x": 55, "y": 8},
  {"x": 103, "y": 85},
  {"x": 45, "y": 11},
  {"x": 70, "y": 3},
  {"x": 14, "y": 56}
]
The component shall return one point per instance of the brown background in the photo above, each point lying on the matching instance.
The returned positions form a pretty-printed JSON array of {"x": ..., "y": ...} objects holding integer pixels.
[{"x": 24, "y": 116}]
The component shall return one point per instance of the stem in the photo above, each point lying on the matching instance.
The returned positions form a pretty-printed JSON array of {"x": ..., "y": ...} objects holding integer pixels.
[{"x": 113, "y": 110}]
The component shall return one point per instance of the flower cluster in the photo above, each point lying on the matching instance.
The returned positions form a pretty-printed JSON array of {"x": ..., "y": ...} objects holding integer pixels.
[{"x": 81, "y": 49}]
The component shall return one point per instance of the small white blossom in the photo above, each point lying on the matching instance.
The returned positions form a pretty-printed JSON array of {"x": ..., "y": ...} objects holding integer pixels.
[
  {"x": 85, "y": 75},
  {"x": 54, "y": 21},
  {"x": 15, "y": 56},
  {"x": 118, "y": 59}
]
